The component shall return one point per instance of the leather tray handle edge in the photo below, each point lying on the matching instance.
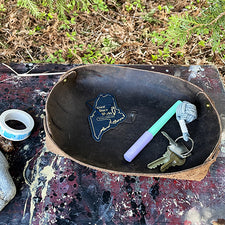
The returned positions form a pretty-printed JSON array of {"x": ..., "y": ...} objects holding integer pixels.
[
  {"x": 50, "y": 144},
  {"x": 68, "y": 73}
]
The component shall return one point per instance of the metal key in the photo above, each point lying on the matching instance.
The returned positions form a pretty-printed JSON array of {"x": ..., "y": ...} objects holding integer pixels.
[
  {"x": 178, "y": 148},
  {"x": 165, "y": 158},
  {"x": 174, "y": 160}
]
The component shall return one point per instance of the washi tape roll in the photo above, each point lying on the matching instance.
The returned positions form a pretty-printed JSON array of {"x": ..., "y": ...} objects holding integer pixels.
[{"x": 14, "y": 134}]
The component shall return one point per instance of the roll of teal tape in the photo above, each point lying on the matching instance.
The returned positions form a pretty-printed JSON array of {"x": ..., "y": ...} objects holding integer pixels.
[{"x": 14, "y": 134}]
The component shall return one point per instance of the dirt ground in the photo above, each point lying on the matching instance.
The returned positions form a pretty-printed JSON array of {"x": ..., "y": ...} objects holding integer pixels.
[{"x": 119, "y": 35}]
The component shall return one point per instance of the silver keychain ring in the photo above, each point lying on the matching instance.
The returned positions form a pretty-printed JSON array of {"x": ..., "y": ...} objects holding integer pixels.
[{"x": 192, "y": 142}]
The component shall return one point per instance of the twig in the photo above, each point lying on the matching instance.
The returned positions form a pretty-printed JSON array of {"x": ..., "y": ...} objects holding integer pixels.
[
  {"x": 3, "y": 44},
  {"x": 10, "y": 68},
  {"x": 31, "y": 74},
  {"x": 193, "y": 48},
  {"x": 99, "y": 35},
  {"x": 202, "y": 53},
  {"x": 10, "y": 78},
  {"x": 32, "y": 68},
  {"x": 221, "y": 59},
  {"x": 29, "y": 54},
  {"x": 18, "y": 53},
  {"x": 110, "y": 20}
]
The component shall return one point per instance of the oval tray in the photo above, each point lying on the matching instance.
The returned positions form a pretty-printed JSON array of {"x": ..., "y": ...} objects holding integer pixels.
[{"x": 143, "y": 96}]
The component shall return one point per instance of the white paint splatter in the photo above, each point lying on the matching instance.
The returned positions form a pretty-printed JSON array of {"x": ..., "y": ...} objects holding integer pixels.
[
  {"x": 41, "y": 93},
  {"x": 129, "y": 213},
  {"x": 175, "y": 202},
  {"x": 195, "y": 70},
  {"x": 26, "y": 147},
  {"x": 118, "y": 179},
  {"x": 222, "y": 116},
  {"x": 193, "y": 216},
  {"x": 180, "y": 213},
  {"x": 39, "y": 172},
  {"x": 48, "y": 173}
]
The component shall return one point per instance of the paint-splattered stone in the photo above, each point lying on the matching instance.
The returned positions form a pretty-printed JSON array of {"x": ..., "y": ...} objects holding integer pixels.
[{"x": 7, "y": 186}]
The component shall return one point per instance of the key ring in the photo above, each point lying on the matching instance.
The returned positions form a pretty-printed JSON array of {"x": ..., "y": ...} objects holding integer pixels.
[{"x": 192, "y": 142}]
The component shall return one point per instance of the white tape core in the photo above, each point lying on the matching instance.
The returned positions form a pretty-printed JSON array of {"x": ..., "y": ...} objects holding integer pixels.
[{"x": 13, "y": 134}]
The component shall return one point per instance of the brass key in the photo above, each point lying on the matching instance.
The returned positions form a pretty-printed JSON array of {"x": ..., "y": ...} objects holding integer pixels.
[
  {"x": 174, "y": 160},
  {"x": 175, "y": 155},
  {"x": 158, "y": 162}
]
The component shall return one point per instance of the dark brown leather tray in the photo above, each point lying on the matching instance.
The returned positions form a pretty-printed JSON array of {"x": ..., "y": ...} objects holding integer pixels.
[{"x": 143, "y": 94}]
